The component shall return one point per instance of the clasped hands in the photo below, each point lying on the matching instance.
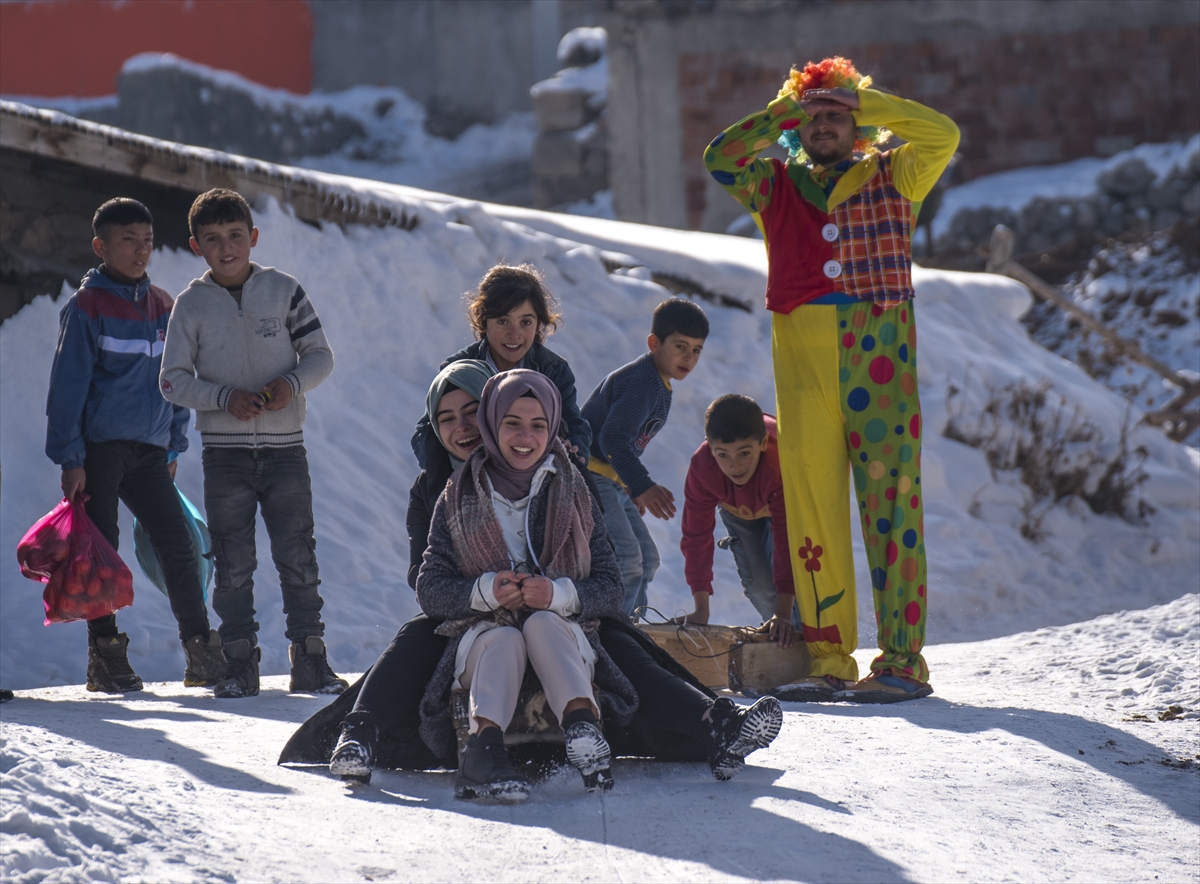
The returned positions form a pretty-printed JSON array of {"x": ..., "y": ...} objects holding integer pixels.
[
  {"x": 245, "y": 405},
  {"x": 515, "y": 590}
]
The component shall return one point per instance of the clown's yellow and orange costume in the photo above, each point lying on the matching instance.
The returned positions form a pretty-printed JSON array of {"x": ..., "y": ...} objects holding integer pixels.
[{"x": 844, "y": 338}]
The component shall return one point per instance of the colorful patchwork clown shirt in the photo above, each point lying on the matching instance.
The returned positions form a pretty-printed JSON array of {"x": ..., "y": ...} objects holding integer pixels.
[{"x": 852, "y": 237}]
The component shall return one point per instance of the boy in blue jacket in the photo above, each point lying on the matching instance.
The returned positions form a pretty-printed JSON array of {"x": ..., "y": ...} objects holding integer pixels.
[
  {"x": 625, "y": 412},
  {"x": 116, "y": 438}
]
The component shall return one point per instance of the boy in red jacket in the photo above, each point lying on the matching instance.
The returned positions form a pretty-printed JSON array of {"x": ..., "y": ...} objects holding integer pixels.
[{"x": 736, "y": 472}]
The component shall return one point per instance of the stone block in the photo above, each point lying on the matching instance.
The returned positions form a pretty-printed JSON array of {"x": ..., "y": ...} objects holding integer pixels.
[
  {"x": 561, "y": 110},
  {"x": 1167, "y": 194},
  {"x": 1131, "y": 177},
  {"x": 557, "y": 154},
  {"x": 1190, "y": 202},
  {"x": 1165, "y": 219}
]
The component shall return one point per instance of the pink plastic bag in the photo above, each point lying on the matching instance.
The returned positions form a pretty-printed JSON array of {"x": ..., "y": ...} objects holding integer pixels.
[{"x": 84, "y": 576}]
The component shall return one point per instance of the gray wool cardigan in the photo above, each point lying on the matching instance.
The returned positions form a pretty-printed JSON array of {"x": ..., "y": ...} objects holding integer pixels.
[
  {"x": 216, "y": 345},
  {"x": 444, "y": 593}
]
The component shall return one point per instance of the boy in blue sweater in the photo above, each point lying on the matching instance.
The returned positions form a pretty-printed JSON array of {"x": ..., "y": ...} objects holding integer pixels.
[
  {"x": 625, "y": 412},
  {"x": 116, "y": 438}
]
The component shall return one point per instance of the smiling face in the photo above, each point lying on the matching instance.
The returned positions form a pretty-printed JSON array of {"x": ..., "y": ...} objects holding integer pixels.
[
  {"x": 829, "y": 137},
  {"x": 524, "y": 433},
  {"x": 738, "y": 459},
  {"x": 125, "y": 249},
  {"x": 676, "y": 355},
  {"x": 456, "y": 423},
  {"x": 225, "y": 247},
  {"x": 510, "y": 336}
]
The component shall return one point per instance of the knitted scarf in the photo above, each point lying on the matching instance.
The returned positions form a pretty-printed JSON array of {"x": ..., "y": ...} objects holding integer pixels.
[{"x": 475, "y": 530}]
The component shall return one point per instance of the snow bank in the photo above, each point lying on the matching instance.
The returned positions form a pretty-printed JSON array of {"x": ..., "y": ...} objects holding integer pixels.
[
  {"x": 391, "y": 302},
  {"x": 1040, "y": 758},
  {"x": 484, "y": 161},
  {"x": 1016, "y": 188}
]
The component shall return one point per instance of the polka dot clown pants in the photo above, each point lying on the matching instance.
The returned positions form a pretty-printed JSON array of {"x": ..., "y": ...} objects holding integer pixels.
[{"x": 846, "y": 403}]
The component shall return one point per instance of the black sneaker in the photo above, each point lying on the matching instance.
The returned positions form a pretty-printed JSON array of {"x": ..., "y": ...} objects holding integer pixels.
[
  {"x": 354, "y": 755},
  {"x": 588, "y": 751},
  {"x": 732, "y": 732},
  {"x": 108, "y": 665},
  {"x": 310, "y": 669},
  {"x": 241, "y": 676},
  {"x": 485, "y": 771},
  {"x": 206, "y": 663}
]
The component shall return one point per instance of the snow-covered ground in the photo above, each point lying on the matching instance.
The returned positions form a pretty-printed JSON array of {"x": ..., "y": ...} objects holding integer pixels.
[
  {"x": 1027, "y": 764},
  {"x": 391, "y": 302},
  {"x": 1076, "y": 179},
  {"x": 167, "y": 784}
]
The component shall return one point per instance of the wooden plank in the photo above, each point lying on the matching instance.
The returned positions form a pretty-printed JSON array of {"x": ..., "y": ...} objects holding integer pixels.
[
  {"x": 737, "y": 658},
  {"x": 701, "y": 650},
  {"x": 758, "y": 667}
]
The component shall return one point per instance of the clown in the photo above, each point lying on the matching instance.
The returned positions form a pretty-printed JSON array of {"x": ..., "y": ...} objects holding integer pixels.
[{"x": 837, "y": 218}]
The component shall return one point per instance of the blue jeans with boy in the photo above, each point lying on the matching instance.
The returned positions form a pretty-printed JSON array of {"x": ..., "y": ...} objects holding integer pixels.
[
  {"x": 753, "y": 548},
  {"x": 637, "y": 556},
  {"x": 237, "y": 481}
]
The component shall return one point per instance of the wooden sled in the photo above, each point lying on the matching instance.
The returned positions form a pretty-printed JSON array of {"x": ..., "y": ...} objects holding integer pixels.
[{"x": 734, "y": 658}]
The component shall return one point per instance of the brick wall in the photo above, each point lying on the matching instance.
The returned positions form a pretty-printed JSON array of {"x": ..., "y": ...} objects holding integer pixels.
[{"x": 1020, "y": 99}]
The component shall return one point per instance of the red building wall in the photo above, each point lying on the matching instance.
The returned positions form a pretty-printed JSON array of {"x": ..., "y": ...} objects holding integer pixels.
[{"x": 76, "y": 47}]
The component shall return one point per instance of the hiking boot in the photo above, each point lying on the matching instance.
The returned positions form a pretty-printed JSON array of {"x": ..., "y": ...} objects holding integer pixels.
[
  {"x": 108, "y": 665},
  {"x": 354, "y": 755},
  {"x": 241, "y": 676},
  {"x": 486, "y": 772},
  {"x": 206, "y": 663},
  {"x": 588, "y": 751},
  {"x": 310, "y": 669},
  {"x": 732, "y": 732}
]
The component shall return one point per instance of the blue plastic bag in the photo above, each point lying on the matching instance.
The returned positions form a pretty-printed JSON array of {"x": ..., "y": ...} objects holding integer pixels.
[{"x": 201, "y": 540}]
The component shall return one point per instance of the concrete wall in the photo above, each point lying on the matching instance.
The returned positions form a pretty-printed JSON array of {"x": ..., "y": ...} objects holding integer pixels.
[
  {"x": 467, "y": 61},
  {"x": 1028, "y": 81}
]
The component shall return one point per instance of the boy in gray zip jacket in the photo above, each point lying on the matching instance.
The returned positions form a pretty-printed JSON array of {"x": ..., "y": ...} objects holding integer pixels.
[{"x": 243, "y": 346}]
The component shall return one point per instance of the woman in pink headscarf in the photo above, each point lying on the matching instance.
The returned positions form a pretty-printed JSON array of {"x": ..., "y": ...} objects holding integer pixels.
[{"x": 520, "y": 568}]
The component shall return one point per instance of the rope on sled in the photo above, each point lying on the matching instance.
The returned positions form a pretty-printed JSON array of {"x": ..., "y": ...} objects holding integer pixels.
[{"x": 688, "y": 635}]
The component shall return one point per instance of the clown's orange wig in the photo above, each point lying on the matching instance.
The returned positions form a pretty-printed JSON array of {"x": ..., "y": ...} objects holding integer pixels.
[{"x": 831, "y": 73}]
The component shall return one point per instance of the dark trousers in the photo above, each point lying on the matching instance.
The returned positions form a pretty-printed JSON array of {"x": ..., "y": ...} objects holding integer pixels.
[
  {"x": 237, "y": 481},
  {"x": 392, "y": 690},
  {"x": 136, "y": 474},
  {"x": 667, "y": 724}
]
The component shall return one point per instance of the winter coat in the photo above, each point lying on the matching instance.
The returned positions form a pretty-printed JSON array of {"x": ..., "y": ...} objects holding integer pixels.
[
  {"x": 444, "y": 593},
  {"x": 422, "y": 498},
  {"x": 540, "y": 359},
  {"x": 104, "y": 381}
]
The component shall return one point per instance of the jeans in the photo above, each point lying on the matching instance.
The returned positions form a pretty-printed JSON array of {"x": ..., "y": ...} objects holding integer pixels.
[
  {"x": 637, "y": 556},
  {"x": 237, "y": 481},
  {"x": 753, "y": 548},
  {"x": 136, "y": 473}
]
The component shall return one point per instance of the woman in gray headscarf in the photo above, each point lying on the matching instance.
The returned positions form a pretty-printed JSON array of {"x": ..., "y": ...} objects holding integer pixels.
[
  {"x": 520, "y": 568},
  {"x": 451, "y": 407}
]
